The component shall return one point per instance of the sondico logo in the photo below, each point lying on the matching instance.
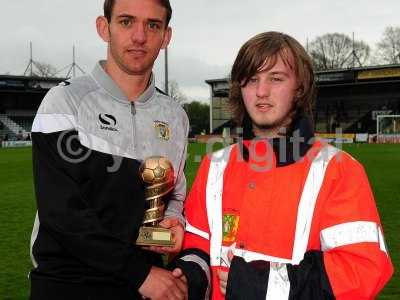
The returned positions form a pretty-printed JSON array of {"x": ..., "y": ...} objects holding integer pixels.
[{"x": 108, "y": 122}]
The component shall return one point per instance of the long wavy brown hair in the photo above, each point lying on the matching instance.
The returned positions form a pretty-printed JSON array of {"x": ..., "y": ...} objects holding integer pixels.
[{"x": 262, "y": 51}]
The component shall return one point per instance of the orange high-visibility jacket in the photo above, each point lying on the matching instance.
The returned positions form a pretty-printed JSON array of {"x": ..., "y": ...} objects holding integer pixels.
[{"x": 314, "y": 222}]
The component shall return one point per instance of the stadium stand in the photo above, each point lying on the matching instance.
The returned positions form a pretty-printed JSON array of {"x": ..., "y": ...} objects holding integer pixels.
[
  {"x": 20, "y": 97},
  {"x": 348, "y": 99},
  {"x": 14, "y": 128}
]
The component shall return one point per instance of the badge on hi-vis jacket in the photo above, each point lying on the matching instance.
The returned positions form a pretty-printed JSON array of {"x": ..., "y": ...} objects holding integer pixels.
[
  {"x": 162, "y": 130},
  {"x": 230, "y": 225}
]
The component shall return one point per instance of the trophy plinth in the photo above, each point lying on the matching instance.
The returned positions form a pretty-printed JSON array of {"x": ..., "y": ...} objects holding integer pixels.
[{"x": 158, "y": 175}]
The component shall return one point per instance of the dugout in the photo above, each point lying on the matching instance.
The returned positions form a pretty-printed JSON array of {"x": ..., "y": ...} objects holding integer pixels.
[{"x": 346, "y": 98}]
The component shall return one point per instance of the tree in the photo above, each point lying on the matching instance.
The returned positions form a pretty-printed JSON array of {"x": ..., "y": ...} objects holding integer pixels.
[
  {"x": 199, "y": 117},
  {"x": 175, "y": 93},
  {"x": 389, "y": 46},
  {"x": 44, "y": 69},
  {"x": 336, "y": 51}
]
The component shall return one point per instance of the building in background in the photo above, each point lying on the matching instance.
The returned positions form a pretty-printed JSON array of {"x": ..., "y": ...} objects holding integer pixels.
[{"x": 349, "y": 99}]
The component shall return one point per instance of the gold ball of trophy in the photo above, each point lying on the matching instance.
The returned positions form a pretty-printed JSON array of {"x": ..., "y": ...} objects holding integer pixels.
[{"x": 157, "y": 174}]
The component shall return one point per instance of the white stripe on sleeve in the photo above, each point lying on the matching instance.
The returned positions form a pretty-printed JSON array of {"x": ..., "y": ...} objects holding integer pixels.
[
  {"x": 49, "y": 123},
  {"x": 351, "y": 233},
  {"x": 196, "y": 231}
]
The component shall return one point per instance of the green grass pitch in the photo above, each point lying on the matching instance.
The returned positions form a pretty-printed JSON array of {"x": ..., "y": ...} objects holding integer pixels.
[{"x": 17, "y": 209}]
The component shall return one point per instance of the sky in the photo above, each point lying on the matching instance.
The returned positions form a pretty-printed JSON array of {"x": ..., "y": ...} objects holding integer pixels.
[{"x": 207, "y": 34}]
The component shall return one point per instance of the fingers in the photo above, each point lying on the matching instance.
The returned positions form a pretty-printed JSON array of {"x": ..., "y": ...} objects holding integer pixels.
[
  {"x": 183, "y": 278},
  {"x": 161, "y": 284},
  {"x": 168, "y": 250},
  {"x": 178, "y": 233},
  {"x": 159, "y": 249},
  {"x": 175, "y": 249},
  {"x": 181, "y": 281},
  {"x": 169, "y": 222},
  {"x": 182, "y": 286},
  {"x": 222, "y": 275},
  {"x": 230, "y": 255},
  {"x": 177, "y": 237},
  {"x": 177, "y": 289},
  {"x": 223, "y": 280}
]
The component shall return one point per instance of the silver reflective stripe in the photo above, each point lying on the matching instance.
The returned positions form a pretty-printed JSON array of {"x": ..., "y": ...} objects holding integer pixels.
[
  {"x": 382, "y": 243},
  {"x": 48, "y": 123},
  {"x": 278, "y": 282},
  {"x": 204, "y": 266},
  {"x": 351, "y": 233},
  {"x": 215, "y": 182},
  {"x": 308, "y": 200},
  {"x": 35, "y": 231},
  {"x": 196, "y": 231}
]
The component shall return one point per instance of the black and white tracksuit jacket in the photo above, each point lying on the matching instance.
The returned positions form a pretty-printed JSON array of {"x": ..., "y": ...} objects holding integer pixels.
[{"x": 88, "y": 143}]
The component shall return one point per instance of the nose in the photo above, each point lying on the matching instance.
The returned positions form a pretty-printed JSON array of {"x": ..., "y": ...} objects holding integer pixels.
[
  {"x": 263, "y": 89},
  {"x": 139, "y": 34}
]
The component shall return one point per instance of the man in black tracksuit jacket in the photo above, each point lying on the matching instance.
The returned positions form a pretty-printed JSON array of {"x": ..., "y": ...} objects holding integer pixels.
[{"x": 89, "y": 137}]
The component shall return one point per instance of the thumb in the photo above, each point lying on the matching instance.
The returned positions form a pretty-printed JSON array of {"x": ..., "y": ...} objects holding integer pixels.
[{"x": 177, "y": 273}]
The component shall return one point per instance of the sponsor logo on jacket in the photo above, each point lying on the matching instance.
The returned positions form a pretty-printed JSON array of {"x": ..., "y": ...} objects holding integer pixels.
[{"x": 108, "y": 122}]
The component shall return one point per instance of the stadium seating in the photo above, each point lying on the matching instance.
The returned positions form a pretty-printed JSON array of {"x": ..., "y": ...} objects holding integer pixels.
[
  {"x": 23, "y": 121},
  {"x": 14, "y": 126}
]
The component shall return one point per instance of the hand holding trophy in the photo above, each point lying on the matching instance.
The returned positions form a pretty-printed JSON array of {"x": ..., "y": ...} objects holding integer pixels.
[{"x": 157, "y": 173}]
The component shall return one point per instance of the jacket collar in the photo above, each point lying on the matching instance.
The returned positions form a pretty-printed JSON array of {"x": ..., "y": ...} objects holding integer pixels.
[
  {"x": 106, "y": 82},
  {"x": 296, "y": 143}
]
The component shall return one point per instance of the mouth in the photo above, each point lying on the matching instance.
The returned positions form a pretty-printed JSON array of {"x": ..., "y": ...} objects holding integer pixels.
[
  {"x": 264, "y": 106},
  {"x": 137, "y": 52}
]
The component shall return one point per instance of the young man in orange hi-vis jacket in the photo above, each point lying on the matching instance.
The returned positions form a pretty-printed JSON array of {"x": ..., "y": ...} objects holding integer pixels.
[{"x": 279, "y": 214}]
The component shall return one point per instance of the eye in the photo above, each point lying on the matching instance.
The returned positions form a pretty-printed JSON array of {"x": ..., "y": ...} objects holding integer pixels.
[
  {"x": 154, "y": 26},
  {"x": 276, "y": 79},
  {"x": 253, "y": 80},
  {"x": 125, "y": 22}
]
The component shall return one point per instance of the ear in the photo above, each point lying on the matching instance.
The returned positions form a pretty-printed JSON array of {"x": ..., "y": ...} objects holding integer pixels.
[
  {"x": 299, "y": 92},
  {"x": 167, "y": 37},
  {"x": 102, "y": 27}
]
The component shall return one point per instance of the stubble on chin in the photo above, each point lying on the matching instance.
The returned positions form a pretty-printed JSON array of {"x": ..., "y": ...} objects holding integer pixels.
[{"x": 274, "y": 128}]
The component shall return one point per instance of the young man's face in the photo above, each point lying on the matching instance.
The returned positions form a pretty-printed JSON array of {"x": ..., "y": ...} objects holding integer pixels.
[
  {"x": 136, "y": 33},
  {"x": 269, "y": 97}
]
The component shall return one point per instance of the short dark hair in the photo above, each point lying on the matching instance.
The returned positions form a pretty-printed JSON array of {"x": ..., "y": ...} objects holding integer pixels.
[
  {"x": 109, "y": 5},
  {"x": 265, "y": 48}
]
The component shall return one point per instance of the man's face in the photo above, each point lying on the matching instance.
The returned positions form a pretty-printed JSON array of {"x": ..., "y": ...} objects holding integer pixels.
[
  {"x": 137, "y": 32},
  {"x": 269, "y": 97}
]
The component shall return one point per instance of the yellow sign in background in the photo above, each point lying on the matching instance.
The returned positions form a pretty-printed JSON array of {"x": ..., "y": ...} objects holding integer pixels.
[{"x": 381, "y": 73}]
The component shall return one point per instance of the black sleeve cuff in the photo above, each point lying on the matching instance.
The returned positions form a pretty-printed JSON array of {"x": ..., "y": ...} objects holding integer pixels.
[
  {"x": 136, "y": 270},
  {"x": 309, "y": 280},
  {"x": 195, "y": 275},
  {"x": 247, "y": 280}
]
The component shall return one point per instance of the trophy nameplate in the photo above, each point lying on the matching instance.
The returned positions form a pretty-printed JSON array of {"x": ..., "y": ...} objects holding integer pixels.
[{"x": 158, "y": 175}]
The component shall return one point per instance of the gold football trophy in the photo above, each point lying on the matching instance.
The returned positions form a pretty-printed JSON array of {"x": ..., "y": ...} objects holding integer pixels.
[{"x": 157, "y": 173}]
